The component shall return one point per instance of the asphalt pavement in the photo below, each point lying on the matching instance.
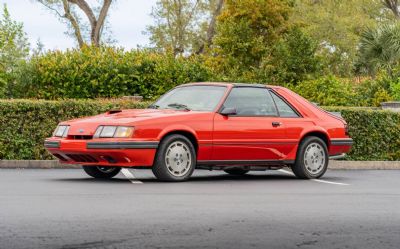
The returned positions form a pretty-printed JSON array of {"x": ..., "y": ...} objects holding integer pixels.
[{"x": 64, "y": 208}]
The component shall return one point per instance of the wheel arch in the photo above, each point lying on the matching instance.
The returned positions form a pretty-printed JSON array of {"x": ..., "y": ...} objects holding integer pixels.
[
  {"x": 184, "y": 132},
  {"x": 317, "y": 133}
]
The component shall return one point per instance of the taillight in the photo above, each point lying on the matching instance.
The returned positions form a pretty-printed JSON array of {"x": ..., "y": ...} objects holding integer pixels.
[{"x": 346, "y": 129}]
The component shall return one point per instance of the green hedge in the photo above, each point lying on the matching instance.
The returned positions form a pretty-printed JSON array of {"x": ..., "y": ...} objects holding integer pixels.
[
  {"x": 376, "y": 133},
  {"x": 25, "y": 123},
  {"x": 104, "y": 72}
]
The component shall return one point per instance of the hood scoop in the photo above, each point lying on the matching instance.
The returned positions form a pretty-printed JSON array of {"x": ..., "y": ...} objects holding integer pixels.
[{"x": 114, "y": 111}]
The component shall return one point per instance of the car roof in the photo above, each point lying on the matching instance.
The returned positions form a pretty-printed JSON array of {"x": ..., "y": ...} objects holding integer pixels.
[{"x": 226, "y": 84}]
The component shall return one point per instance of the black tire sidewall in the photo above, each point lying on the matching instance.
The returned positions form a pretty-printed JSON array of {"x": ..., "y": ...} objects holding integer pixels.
[
  {"x": 299, "y": 168},
  {"x": 93, "y": 171},
  {"x": 160, "y": 169}
]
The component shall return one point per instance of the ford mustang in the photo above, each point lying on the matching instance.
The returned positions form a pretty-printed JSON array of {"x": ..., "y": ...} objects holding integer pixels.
[{"x": 217, "y": 126}]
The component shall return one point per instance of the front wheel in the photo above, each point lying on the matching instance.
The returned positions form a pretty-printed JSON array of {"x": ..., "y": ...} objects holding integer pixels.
[
  {"x": 175, "y": 159},
  {"x": 101, "y": 172},
  {"x": 312, "y": 158}
]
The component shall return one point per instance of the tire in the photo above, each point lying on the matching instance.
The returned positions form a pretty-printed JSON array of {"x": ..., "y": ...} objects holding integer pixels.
[
  {"x": 175, "y": 159},
  {"x": 236, "y": 171},
  {"x": 312, "y": 158},
  {"x": 101, "y": 172}
]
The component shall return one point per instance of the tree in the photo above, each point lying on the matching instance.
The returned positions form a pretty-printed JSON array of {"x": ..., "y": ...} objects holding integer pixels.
[
  {"x": 379, "y": 49},
  {"x": 182, "y": 26},
  {"x": 392, "y": 5},
  {"x": 67, "y": 10},
  {"x": 14, "y": 48},
  {"x": 337, "y": 26},
  {"x": 246, "y": 30},
  {"x": 293, "y": 59},
  {"x": 211, "y": 27}
]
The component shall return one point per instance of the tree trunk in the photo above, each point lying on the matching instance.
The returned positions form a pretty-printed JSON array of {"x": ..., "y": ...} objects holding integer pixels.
[
  {"x": 100, "y": 23},
  {"x": 74, "y": 23},
  {"x": 95, "y": 24},
  {"x": 211, "y": 27},
  {"x": 393, "y": 5}
]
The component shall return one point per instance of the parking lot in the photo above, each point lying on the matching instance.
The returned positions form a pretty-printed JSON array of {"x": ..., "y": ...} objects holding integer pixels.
[{"x": 63, "y": 208}]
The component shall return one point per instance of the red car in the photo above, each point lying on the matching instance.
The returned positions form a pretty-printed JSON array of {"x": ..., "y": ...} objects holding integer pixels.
[{"x": 233, "y": 127}]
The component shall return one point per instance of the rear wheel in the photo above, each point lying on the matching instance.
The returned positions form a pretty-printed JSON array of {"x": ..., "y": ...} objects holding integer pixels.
[
  {"x": 236, "y": 171},
  {"x": 175, "y": 159},
  {"x": 312, "y": 158},
  {"x": 101, "y": 172}
]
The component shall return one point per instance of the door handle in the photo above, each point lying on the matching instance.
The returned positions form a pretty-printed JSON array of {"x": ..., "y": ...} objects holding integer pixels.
[{"x": 276, "y": 124}]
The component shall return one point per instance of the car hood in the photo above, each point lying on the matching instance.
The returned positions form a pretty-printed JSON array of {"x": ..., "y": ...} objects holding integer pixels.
[{"x": 88, "y": 125}]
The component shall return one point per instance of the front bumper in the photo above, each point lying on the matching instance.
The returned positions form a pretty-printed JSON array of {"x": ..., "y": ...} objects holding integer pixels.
[{"x": 103, "y": 153}]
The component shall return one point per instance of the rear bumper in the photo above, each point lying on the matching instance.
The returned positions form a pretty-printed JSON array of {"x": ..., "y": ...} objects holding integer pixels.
[
  {"x": 103, "y": 153},
  {"x": 339, "y": 147},
  {"x": 342, "y": 141}
]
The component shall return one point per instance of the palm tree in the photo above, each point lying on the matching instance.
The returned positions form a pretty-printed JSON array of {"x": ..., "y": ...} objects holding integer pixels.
[{"x": 379, "y": 49}]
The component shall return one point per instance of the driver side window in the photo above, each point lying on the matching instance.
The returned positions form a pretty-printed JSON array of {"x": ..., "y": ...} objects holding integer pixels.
[{"x": 251, "y": 101}]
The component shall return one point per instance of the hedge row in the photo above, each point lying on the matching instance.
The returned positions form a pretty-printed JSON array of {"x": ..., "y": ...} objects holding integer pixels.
[
  {"x": 375, "y": 133},
  {"x": 25, "y": 123},
  {"x": 103, "y": 72}
]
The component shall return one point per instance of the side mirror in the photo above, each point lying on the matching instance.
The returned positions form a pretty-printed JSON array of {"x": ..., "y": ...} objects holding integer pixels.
[{"x": 228, "y": 111}]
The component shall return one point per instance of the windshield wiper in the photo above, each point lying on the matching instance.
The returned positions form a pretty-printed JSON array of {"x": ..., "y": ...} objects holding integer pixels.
[
  {"x": 153, "y": 106},
  {"x": 179, "y": 106}
]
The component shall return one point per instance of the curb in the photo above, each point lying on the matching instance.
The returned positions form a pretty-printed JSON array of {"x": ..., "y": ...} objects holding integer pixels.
[
  {"x": 366, "y": 165},
  {"x": 333, "y": 164},
  {"x": 35, "y": 164}
]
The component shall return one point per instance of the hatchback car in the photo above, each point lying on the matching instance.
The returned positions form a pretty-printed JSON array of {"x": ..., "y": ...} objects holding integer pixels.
[{"x": 232, "y": 127}]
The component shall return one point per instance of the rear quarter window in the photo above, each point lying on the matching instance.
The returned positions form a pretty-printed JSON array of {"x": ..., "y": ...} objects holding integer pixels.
[{"x": 284, "y": 109}]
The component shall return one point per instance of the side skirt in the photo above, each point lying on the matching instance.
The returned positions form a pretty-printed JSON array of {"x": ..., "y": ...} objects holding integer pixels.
[{"x": 259, "y": 163}]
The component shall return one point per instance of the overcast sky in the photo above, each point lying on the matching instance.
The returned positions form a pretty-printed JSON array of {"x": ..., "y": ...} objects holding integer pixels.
[{"x": 127, "y": 18}]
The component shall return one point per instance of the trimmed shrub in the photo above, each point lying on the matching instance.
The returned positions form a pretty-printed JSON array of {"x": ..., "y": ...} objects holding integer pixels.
[
  {"x": 104, "y": 72},
  {"x": 375, "y": 133},
  {"x": 24, "y": 124},
  {"x": 328, "y": 91}
]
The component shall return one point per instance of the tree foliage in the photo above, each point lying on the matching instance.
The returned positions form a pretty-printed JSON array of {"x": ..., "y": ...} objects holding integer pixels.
[
  {"x": 337, "y": 26},
  {"x": 246, "y": 30},
  {"x": 184, "y": 26},
  {"x": 14, "y": 47},
  {"x": 380, "y": 49},
  {"x": 293, "y": 59}
]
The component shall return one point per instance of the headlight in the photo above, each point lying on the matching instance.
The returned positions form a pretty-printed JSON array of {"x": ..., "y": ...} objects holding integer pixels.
[
  {"x": 113, "y": 131},
  {"x": 61, "y": 131}
]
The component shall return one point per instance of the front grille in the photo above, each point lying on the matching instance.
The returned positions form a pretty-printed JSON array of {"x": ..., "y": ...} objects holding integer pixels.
[
  {"x": 82, "y": 158},
  {"x": 81, "y": 137}
]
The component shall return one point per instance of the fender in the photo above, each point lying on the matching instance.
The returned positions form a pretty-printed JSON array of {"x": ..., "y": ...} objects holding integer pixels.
[
  {"x": 177, "y": 127},
  {"x": 314, "y": 129},
  {"x": 293, "y": 154}
]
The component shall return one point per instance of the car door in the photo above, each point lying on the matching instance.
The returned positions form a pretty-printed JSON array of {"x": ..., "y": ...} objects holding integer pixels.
[{"x": 254, "y": 133}]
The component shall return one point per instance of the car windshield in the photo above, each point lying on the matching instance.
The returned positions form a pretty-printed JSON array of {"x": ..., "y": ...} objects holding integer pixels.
[{"x": 195, "y": 98}]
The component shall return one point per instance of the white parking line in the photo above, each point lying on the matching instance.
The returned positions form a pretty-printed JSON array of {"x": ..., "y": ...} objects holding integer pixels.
[
  {"x": 329, "y": 182},
  {"x": 316, "y": 180},
  {"x": 286, "y": 172},
  {"x": 130, "y": 176}
]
